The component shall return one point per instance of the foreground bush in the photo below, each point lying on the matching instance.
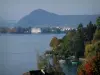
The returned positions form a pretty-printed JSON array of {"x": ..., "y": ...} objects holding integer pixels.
[{"x": 91, "y": 67}]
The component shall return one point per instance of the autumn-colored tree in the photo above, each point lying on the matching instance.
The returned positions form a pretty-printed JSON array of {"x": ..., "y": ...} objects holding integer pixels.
[
  {"x": 92, "y": 65},
  {"x": 97, "y": 46},
  {"x": 96, "y": 36},
  {"x": 54, "y": 43},
  {"x": 88, "y": 50}
]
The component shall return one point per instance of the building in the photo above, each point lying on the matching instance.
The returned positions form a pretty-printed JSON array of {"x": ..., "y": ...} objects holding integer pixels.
[{"x": 35, "y": 30}]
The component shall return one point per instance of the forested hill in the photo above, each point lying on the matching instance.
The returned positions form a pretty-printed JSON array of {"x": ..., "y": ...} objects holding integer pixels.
[{"x": 44, "y": 18}]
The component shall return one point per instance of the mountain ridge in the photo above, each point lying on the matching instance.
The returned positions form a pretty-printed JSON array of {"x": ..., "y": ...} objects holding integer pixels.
[{"x": 42, "y": 17}]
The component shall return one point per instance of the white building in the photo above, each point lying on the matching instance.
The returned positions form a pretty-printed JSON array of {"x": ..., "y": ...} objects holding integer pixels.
[{"x": 36, "y": 30}]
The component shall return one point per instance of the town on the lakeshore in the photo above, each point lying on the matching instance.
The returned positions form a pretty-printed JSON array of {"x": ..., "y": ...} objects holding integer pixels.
[{"x": 34, "y": 30}]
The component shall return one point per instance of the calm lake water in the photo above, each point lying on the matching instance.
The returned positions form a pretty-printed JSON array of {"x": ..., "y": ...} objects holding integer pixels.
[{"x": 18, "y": 52}]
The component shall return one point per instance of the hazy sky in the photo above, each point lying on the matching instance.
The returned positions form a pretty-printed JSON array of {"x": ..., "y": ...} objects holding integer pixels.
[{"x": 15, "y": 9}]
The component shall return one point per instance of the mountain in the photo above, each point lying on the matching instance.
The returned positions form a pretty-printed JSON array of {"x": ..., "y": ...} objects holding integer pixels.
[{"x": 41, "y": 17}]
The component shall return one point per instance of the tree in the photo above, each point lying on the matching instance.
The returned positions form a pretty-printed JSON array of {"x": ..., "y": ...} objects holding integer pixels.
[
  {"x": 89, "y": 31},
  {"x": 91, "y": 67},
  {"x": 67, "y": 45},
  {"x": 79, "y": 41},
  {"x": 96, "y": 35},
  {"x": 80, "y": 27},
  {"x": 54, "y": 43},
  {"x": 42, "y": 62},
  {"x": 89, "y": 50},
  {"x": 97, "y": 46},
  {"x": 98, "y": 22}
]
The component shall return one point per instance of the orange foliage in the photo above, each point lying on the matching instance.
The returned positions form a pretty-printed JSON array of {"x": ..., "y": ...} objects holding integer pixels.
[{"x": 89, "y": 67}]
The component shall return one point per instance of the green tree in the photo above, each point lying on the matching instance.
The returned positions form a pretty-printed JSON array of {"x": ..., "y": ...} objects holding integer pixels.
[
  {"x": 67, "y": 46},
  {"x": 42, "y": 62},
  {"x": 79, "y": 41},
  {"x": 90, "y": 30},
  {"x": 98, "y": 22},
  {"x": 80, "y": 27}
]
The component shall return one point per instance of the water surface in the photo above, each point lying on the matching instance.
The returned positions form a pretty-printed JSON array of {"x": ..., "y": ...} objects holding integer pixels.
[{"x": 18, "y": 51}]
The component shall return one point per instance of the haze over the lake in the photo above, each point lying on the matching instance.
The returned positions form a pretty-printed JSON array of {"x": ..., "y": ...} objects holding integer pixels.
[{"x": 16, "y": 9}]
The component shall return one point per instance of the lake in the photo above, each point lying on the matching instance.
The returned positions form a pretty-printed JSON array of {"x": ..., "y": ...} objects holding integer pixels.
[{"x": 18, "y": 51}]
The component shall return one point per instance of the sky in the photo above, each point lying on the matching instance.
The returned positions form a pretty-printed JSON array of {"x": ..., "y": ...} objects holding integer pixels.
[{"x": 16, "y": 9}]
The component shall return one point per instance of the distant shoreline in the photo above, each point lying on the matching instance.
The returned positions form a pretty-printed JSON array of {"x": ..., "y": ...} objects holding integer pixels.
[{"x": 31, "y": 33}]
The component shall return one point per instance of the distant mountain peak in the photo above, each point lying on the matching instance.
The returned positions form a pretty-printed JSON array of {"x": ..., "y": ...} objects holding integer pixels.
[
  {"x": 39, "y": 11},
  {"x": 42, "y": 17}
]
